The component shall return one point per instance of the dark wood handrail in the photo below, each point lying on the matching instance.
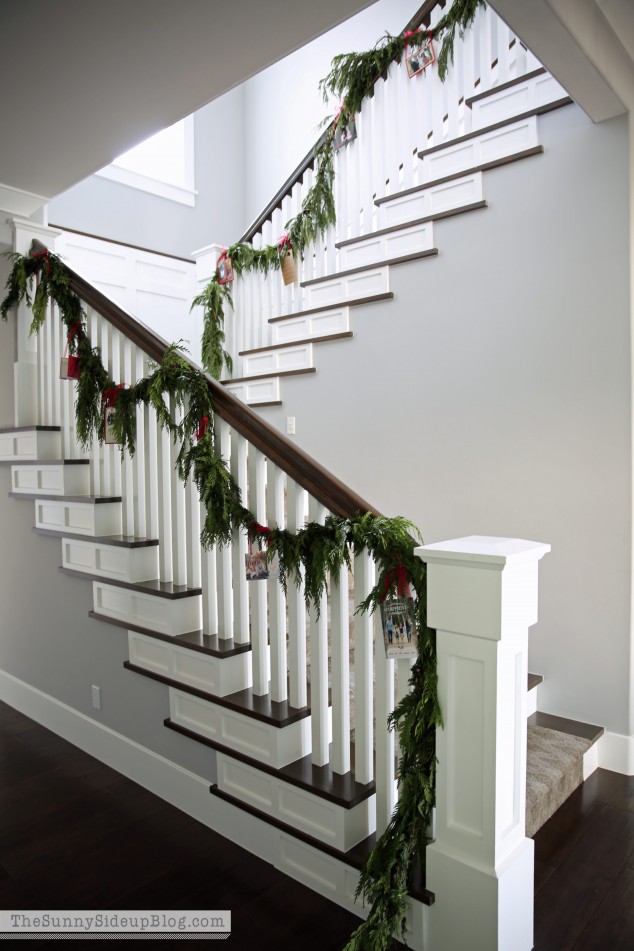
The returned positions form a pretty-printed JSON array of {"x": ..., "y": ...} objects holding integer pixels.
[
  {"x": 422, "y": 17},
  {"x": 301, "y": 467}
]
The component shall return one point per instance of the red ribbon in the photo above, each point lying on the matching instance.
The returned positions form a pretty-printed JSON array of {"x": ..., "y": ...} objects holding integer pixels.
[
  {"x": 222, "y": 256},
  {"x": 397, "y": 574},
  {"x": 256, "y": 529},
  {"x": 202, "y": 429},
  {"x": 73, "y": 332},
  {"x": 42, "y": 258},
  {"x": 111, "y": 394},
  {"x": 284, "y": 241}
]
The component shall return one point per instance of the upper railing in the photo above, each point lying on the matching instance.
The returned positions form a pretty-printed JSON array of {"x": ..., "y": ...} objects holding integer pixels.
[{"x": 399, "y": 118}]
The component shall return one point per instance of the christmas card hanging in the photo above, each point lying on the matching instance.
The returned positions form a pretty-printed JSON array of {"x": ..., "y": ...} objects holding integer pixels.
[
  {"x": 224, "y": 269},
  {"x": 419, "y": 54},
  {"x": 69, "y": 363},
  {"x": 400, "y": 633},
  {"x": 288, "y": 265},
  {"x": 110, "y": 397}
]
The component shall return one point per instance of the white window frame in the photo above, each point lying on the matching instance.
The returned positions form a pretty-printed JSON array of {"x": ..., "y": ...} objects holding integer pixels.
[{"x": 186, "y": 195}]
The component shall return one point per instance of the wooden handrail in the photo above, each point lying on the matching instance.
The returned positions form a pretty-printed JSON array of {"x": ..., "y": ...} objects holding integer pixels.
[
  {"x": 301, "y": 467},
  {"x": 422, "y": 17}
]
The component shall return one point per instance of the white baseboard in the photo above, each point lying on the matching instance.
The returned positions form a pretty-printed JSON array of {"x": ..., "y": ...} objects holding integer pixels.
[
  {"x": 182, "y": 789},
  {"x": 616, "y": 752}
]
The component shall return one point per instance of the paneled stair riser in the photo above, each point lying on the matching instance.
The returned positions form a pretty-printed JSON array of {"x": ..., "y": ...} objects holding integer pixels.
[
  {"x": 108, "y": 561},
  {"x": 81, "y": 518},
  {"x": 163, "y": 614},
  {"x": 55, "y": 479},
  {"x": 31, "y": 442},
  {"x": 216, "y": 675}
]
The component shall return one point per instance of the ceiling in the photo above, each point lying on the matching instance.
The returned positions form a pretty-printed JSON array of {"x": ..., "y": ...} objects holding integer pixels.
[
  {"x": 106, "y": 76},
  {"x": 588, "y": 45}
]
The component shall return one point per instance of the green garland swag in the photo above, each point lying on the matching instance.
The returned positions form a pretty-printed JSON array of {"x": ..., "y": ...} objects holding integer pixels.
[
  {"x": 313, "y": 554},
  {"x": 351, "y": 77}
]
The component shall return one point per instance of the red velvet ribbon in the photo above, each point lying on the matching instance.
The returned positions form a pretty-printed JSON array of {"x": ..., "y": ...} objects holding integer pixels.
[
  {"x": 284, "y": 241},
  {"x": 222, "y": 257},
  {"x": 42, "y": 258},
  {"x": 202, "y": 429},
  {"x": 256, "y": 529},
  {"x": 74, "y": 330},
  {"x": 111, "y": 394},
  {"x": 397, "y": 574}
]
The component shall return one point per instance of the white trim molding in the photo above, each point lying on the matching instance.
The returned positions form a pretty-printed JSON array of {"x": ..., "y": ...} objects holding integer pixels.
[{"x": 616, "y": 752}]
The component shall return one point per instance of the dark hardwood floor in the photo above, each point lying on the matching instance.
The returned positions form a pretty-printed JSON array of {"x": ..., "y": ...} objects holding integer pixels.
[{"x": 74, "y": 834}]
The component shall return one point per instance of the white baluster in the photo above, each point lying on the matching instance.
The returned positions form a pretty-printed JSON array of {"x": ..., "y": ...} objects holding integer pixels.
[
  {"x": 257, "y": 589},
  {"x": 192, "y": 519},
  {"x": 385, "y": 791},
  {"x": 319, "y": 661},
  {"x": 223, "y": 558},
  {"x": 208, "y": 581},
  {"x": 240, "y": 545},
  {"x": 340, "y": 667},
  {"x": 127, "y": 465},
  {"x": 117, "y": 376},
  {"x": 363, "y": 641},
  {"x": 277, "y": 601},
  {"x": 151, "y": 474},
  {"x": 164, "y": 493},
  {"x": 94, "y": 332},
  {"x": 106, "y": 452},
  {"x": 140, "y": 462},
  {"x": 296, "y": 509}
]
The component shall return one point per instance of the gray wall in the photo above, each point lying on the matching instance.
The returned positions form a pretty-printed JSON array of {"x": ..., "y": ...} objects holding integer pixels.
[
  {"x": 492, "y": 396},
  {"x": 46, "y": 636},
  {"x": 112, "y": 210}
]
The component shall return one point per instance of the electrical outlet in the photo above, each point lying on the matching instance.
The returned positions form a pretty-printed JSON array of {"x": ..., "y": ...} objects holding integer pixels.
[
  {"x": 96, "y": 697},
  {"x": 290, "y": 425}
]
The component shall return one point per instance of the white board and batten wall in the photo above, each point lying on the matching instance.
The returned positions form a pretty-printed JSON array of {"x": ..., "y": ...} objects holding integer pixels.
[{"x": 157, "y": 289}]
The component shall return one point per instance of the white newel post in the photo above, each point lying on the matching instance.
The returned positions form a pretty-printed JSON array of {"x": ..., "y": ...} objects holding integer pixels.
[
  {"x": 25, "y": 367},
  {"x": 482, "y": 598},
  {"x": 206, "y": 259}
]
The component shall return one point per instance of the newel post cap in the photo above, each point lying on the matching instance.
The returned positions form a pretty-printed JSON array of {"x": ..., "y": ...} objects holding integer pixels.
[{"x": 482, "y": 585}]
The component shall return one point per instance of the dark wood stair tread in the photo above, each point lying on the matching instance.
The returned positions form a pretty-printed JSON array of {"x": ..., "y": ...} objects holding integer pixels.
[
  {"x": 343, "y": 790},
  {"x": 31, "y": 429},
  {"x": 193, "y": 640},
  {"x": 354, "y": 302},
  {"x": 482, "y": 167},
  {"x": 534, "y": 680},
  {"x": 161, "y": 589},
  {"x": 298, "y": 343},
  {"x": 86, "y": 499},
  {"x": 488, "y": 93},
  {"x": 535, "y": 111},
  {"x": 244, "y": 702},
  {"x": 435, "y": 216},
  {"x": 588, "y": 731},
  {"x": 355, "y": 857},
  {"x": 45, "y": 462},
  {"x": 388, "y": 262},
  {"x": 118, "y": 541},
  {"x": 264, "y": 376}
]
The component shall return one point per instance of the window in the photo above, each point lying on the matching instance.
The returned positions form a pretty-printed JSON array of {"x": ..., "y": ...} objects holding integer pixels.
[{"x": 163, "y": 164}]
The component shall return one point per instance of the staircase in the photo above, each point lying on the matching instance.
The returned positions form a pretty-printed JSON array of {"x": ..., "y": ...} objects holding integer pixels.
[{"x": 245, "y": 670}]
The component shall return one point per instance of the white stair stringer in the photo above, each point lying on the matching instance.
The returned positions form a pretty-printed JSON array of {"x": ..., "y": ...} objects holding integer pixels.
[
  {"x": 93, "y": 517},
  {"x": 164, "y": 614},
  {"x": 120, "y": 563},
  {"x": 258, "y": 739},
  {"x": 535, "y": 92},
  {"x": 218, "y": 675},
  {"x": 30, "y": 442},
  {"x": 321, "y": 818},
  {"x": 59, "y": 478}
]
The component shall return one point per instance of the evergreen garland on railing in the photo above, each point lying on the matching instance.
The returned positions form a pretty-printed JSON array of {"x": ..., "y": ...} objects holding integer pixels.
[
  {"x": 350, "y": 79},
  {"x": 312, "y": 555}
]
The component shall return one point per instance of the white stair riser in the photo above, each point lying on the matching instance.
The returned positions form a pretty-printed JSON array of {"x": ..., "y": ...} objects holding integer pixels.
[
  {"x": 516, "y": 100},
  {"x": 348, "y": 287},
  {"x": 111, "y": 561},
  {"x": 301, "y": 326},
  {"x": 164, "y": 615},
  {"x": 31, "y": 444},
  {"x": 337, "y": 881},
  {"x": 487, "y": 147},
  {"x": 80, "y": 518},
  {"x": 302, "y": 810},
  {"x": 219, "y": 675},
  {"x": 396, "y": 244},
  {"x": 51, "y": 480},
  {"x": 433, "y": 200},
  {"x": 256, "y": 391},
  {"x": 261, "y": 741},
  {"x": 278, "y": 361}
]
